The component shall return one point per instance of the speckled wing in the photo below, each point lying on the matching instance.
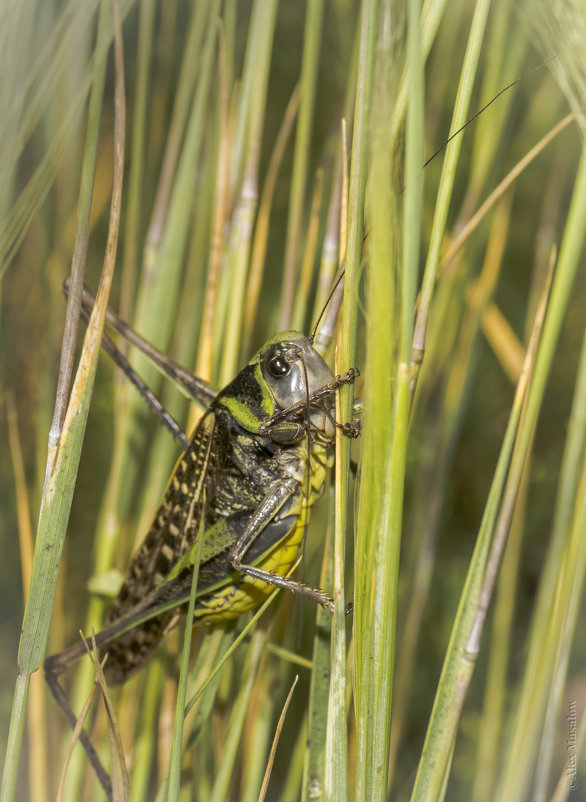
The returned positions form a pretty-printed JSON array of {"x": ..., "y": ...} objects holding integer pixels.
[{"x": 172, "y": 533}]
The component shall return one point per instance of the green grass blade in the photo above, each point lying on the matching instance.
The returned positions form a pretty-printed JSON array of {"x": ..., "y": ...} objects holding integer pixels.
[
  {"x": 458, "y": 666},
  {"x": 444, "y": 196},
  {"x": 520, "y": 756},
  {"x": 63, "y": 462},
  {"x": 174, "y": 770},
  {"x": 309, "y": 75},
  {"x": 317, "y": 716},
  {"x": 239, "y": 710}
]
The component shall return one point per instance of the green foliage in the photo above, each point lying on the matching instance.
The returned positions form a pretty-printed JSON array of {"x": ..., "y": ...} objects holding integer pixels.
[{"x": 232, "y": 171}]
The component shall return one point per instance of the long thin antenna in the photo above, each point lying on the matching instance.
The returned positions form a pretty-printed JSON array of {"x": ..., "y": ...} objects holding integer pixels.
[
  {"x": 484, "y": 108},
  {"x": 339, "y": 278}
]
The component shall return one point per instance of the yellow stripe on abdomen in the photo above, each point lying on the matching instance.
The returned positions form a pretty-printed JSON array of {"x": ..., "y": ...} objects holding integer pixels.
[{"x": 229, "y": 602}]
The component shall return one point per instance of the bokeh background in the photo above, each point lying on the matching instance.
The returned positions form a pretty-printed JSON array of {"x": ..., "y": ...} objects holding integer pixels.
[{"x": 482, "y": 313}]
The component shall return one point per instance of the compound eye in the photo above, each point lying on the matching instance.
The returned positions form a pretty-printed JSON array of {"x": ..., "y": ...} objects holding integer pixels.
[{"x": 278, "y": 367}]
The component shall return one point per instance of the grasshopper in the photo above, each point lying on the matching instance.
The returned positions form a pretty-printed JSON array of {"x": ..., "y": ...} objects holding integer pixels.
[{"x": 246, "y": 481}]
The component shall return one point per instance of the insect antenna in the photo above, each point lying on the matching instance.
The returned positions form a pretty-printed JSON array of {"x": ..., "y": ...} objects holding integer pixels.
[
  {"x": 484, "y": 108},
  {"x": 326, "y": 331}
]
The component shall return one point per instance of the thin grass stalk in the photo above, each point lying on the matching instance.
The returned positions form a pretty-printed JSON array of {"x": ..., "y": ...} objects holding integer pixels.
[
  {"x": 162, "y": 266},
  {"x": 160, "y": 289},
  {"x": 309, "y": 75},
  {"x": 143, "y": 747},
  {"x": 444, "y": 195},
  {"x": 293, "y": 779},
  {"x": 431, "y": 17},
  {"x": 18, "y": 23},
  {"x": 331, "y": 244},
  {"x": 326, "y": 317},
  {"x": 228, "y": 653},
  {"x": 214, "y": 645},
  {"x": 188, "y": 344},
  {"x": 390, "y": 346},
  {"x": 335, "y": 775},
  {"x": 449, "y": 302},
  {"x": 17, "y": 214},
  {"x": 434, "y": 767},
  {"x": 503, "y": 341},
  {"x": 567, "y": 496},
  {"x": 229, "y": 19},
  {"x": 261, "y": 230},
  {"x": 362, "y": 633},
  {"x": 259, "y": 49},
  {"x": 174, "y": 769},
  {"x": 259, "y": 731},
  {"x": 500, "y": 189},
  {"x": 63, "y": 461},
  {"x": 536, "y": 683},
  {"x": 119, "y": 771},
  {"x": 502, "y": 57},
  {"x": 432, "y": 485},
  {"x": 132, "y": 227},
  {"x": 317, "y": 712},
  {"x": 190, "y": 72},
  {"x": 455, "y": 678},
  {"x": 119, "y": 487},
  {"x": 225, "y": 769},
  {"x": 238, "y": 258},
  {"x": 502, "y": 628},
  {"x": 109, "y": 523},
  {"x": 121, "y": 479},
  {"x": 37, "y": 711},
  {"x": 216, "y": 642},
  {"x": 251, "y": 99},
  {"x": 203, "y": 364},
  {"x": 73, "y": 742},
  {"x": 70, "y": 25},
  {"x": 25, "y": 532},
  {"x": 571, "y": 586},
  {"x": 88, "y": 173},
  {"x": 16, "y": 222},
  {"x": 102, "y": 295},
  {"x": 153, "y": 680},
  {"x": 571, "y": 590},
  {"x": 500, "y": 657},
  {"x": 273, "y": 751},
  {"x": 413, "y": 175},
  {"x": 299, "y": 318},
  {"x": 495, "y": 695}
]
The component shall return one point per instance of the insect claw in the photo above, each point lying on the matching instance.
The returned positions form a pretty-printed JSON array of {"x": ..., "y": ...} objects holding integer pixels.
[
  {"x": 349, "y": 429},
  {"x": 348, "y": 377},
  {"x": 329, "y": 605}
]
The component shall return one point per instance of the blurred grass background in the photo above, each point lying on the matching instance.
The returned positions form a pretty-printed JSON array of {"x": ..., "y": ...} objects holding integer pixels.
[{"x": 253, "y": 201}]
